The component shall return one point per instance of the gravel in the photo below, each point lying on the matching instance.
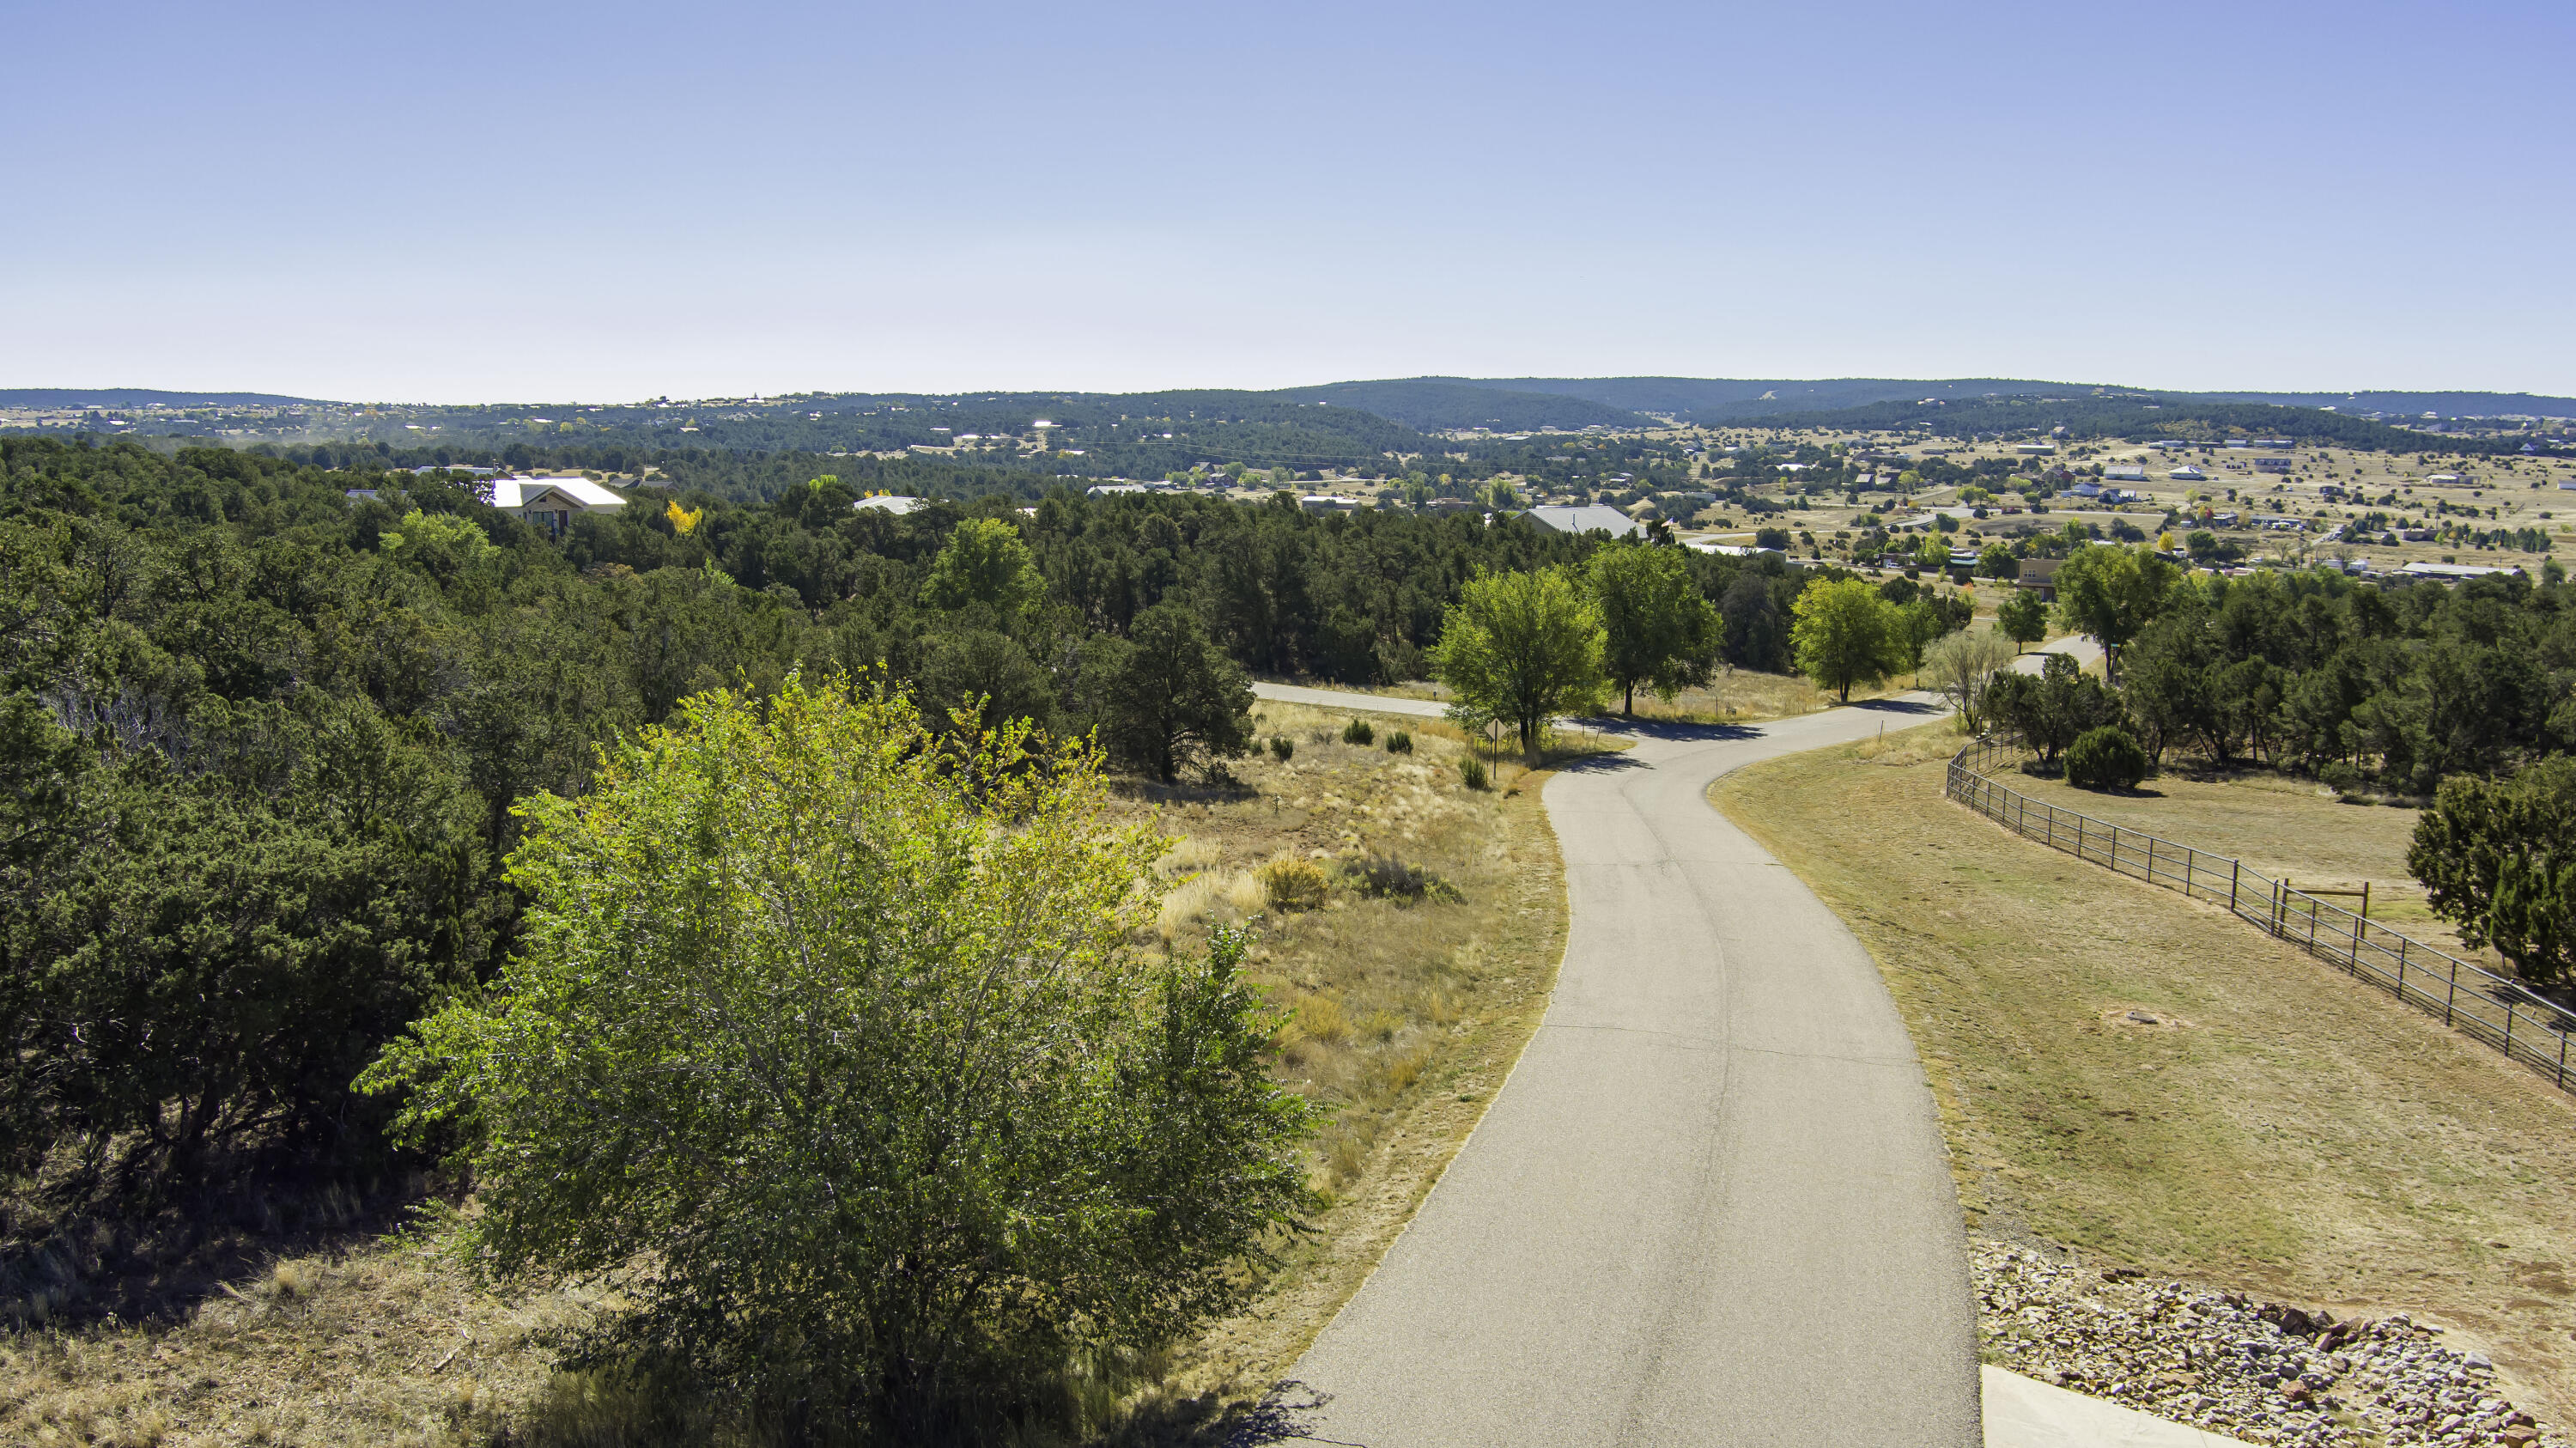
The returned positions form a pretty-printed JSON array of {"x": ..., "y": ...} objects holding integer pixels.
[{"x": 2258, "y": 1371}]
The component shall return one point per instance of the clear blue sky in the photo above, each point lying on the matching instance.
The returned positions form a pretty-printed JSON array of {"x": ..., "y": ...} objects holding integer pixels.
[{"x": 556, "y": 201}]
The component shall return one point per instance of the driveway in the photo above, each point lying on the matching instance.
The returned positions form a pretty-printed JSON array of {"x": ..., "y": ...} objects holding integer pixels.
[
  {"x": 1711, "y": 1205},
  {"x": 2079, "y": 647}
]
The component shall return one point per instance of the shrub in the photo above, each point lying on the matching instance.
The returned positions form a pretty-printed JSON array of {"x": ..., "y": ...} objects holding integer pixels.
[
  {"x": 1387, "y": 878},
  {"x": 1358, "y": 732},
  {"x": 2106, "y": 758},
  {"x": 1282, "y": 748},
  {"x": 1294, "y": 885},
  {"x": 873, "y": 1078},
  {"x": 1471, "y": 773},
  {"x": 1399, "y": 742}
]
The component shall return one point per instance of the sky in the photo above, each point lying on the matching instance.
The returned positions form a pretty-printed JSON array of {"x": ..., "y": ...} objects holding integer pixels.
[{"x": 545, "y": 201}]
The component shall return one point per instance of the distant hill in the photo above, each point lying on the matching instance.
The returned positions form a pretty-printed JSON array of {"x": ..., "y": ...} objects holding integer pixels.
[
  {"x": 1437, "y": 404},
  {"x": 2414, "y": 404},
  {"x": 1711, "y": 400},
  {"x": 140, "y": 397}
]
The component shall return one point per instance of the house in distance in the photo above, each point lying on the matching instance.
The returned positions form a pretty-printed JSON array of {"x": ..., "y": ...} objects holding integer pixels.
[
  {"x": 551, "y": 503},
  {"x": 1562, "y": 518}
]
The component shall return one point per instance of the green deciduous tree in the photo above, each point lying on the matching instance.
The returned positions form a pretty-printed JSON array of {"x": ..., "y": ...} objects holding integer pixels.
[
  {"x": 822, "y": 1044},
  {"x": 2023, "y": 618},
  {"x": 1522, "y": 648},
  {"x": 2111, "y": 593},
  {"x": 2498, "y": 857},
  {"x": 984, "y": 562},
  {"x": 1658, "y": 629},
  {"x": 1846, "y": 634}
]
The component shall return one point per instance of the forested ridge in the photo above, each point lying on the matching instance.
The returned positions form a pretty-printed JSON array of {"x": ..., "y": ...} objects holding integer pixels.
[{"x": 263, "y": 739}]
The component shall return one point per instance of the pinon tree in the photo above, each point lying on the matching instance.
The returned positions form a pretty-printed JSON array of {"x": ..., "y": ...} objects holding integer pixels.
[{"x": 824, "y": 1047}]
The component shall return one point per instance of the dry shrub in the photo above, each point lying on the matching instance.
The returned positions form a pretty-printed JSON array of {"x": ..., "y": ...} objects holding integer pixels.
[
  {"x": 1386, "y": 877},
  {"x": 1320, "y": 1018},
  {"x": 1294, "y": 885}
]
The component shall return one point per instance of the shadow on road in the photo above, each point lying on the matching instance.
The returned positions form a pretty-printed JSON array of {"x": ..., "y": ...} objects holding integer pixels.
[
  {"x": 1669, "y": 729},
  {"x": 1283, "y": 1415},
  {"x": 1899, "y": 706}
]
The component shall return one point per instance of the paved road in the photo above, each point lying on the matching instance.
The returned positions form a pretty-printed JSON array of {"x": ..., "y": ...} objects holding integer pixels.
[
  {"x": 1711, "y": 1205},
  {"x": 1348, "y": 699},
  {"x": 2078, "y": 647}
]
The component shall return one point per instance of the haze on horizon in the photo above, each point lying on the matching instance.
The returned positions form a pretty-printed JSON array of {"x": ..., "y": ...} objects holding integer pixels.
[{"x": 580, "y": 202}]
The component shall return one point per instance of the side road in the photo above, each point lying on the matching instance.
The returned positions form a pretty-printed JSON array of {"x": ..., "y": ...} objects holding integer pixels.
[{"x": 1711, "y": 1204}]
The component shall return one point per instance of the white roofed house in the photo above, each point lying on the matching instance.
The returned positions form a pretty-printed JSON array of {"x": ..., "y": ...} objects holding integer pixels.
[
  {"x": 550, "y": 504},
  {"x": 1564, "y": 519}
]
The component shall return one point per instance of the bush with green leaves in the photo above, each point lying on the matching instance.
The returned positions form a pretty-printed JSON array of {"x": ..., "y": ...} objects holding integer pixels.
[
  {"x": 1282, "y": 748},
  {"x": 2052, "y": 710},
  {"x": 2105, "y": 758},
  {"x": 1358, "y": 732},
  {"x": 1399, "y": 742},
  {"x": 824, "y": 1048},
  {"x": 2498, "y": 857},
  {"x": 1471, "y": 773}
]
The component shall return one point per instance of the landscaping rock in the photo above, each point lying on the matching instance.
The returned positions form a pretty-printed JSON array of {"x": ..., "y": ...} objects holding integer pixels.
[{"x": 2263, "y": 1372}]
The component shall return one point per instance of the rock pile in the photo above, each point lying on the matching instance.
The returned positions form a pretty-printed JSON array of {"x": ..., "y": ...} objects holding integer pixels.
[{"x": 2257, "y": 1371}]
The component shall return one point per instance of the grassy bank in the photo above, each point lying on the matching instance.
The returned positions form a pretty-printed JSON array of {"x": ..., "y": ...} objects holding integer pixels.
[
  {"x": 2278, "y": 1128},
  {"x": 1407, "y": 1013},
  {"x": 2281, "y": 825}
]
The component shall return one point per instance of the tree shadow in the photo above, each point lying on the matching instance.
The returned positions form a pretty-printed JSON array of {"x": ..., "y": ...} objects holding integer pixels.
[
  {"x": 1285, "y": 1414},
  {"x": 1899, "y": 706},
  {"x": 1672, "y": 730}
]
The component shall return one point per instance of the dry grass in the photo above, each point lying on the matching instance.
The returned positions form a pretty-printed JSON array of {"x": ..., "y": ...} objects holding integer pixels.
[
  {"x": 2283, "y": 826},
  {"x": 1404, "y": 1017},
  {"x": 387, "y": 1344},
  {"x": 2282, "y": 1129}
]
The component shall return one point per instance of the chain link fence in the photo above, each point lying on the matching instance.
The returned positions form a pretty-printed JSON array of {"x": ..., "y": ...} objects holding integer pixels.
[{"x": 2503, "y": 1013}]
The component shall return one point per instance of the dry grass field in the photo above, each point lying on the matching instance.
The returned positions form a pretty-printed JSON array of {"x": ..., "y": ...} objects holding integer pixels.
[
  {"x": 1406, "y": 1014},
  {"x": 2279, "y": 1128},
  {"x": 2282, "y": 826}
]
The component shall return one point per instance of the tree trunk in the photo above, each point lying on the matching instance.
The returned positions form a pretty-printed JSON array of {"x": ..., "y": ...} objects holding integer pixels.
[{"x": 1628, "y": 705}]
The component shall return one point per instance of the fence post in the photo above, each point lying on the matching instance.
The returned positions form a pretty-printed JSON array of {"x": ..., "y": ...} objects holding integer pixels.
[
  {"x": 2235, "y": 871},
  {"x": 2187, "y": 853},
  {"x": 2508, "y": 1030},
  {"x": 2449, "y": 1000},
  {"x": 2562, "y": 1055}
]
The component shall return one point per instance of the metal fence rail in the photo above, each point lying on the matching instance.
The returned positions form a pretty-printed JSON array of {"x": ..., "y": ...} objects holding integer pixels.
[{"x": 2503, "y": 1013}]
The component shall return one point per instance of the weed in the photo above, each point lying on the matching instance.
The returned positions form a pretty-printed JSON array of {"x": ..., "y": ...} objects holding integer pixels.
[
  {"x": 1358, "y": 732},
  {"x": 1471, "y": 773},
  {"x": 1398, "y": 742},
  {"x": 1282, "y": 748}
]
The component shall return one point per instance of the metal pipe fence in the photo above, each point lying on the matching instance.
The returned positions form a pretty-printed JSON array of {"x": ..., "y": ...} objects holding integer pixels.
[{"x": 2503, "y": 1013}]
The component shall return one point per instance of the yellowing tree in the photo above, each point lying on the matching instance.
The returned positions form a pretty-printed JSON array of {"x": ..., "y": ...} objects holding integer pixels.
[{"x": 683, "y": 522}]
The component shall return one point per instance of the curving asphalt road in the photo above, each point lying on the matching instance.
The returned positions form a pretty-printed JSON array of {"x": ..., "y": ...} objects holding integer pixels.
[{"x": 1711, "y": 1205}]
